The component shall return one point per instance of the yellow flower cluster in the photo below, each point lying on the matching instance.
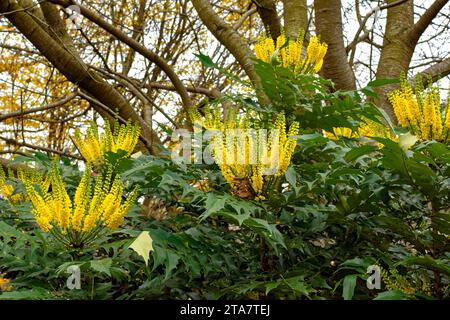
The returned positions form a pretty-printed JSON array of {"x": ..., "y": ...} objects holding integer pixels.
[
  {"x": 396, "y": 282},
  {"x": 93, "y": 145},
  {"x": 29, "y": 175},
  {"x": 421, "y": 111},
  {"x": 202, "y": 185},
  {"x": 249, "y": 158},
  {"x": 289, "y": 53},
  {"x": 6, "y": 189},
  {"x": 77, "y": 222},
  {"x": 368, "y": 129},
  {"x": 4, "y": 284}
]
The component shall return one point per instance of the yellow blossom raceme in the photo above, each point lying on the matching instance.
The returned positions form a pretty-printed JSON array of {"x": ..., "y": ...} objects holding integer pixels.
[
  {"x": 31, "y": 175},
  {"x": 4, "y": 284},
  {"x": 394, "y": 281},
  {"x": 93, "y": 146},
  {"x": 289, "y": 53},
  {"x": 6, "y": 190},
  {"x": 249, "y": 158},
  {"x": 421, "y": 111},
  {"x": 78, "y": 221},
  {"x": 367, "y": 129}
]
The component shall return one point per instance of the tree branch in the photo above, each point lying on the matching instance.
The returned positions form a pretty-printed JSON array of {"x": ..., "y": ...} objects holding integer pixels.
[
  {"x": 267, "y": 10},
  {"x": 438, "y": 70},
  {"x": 228, "y": 37},
  {"x": 426, "y": 19},
  {"x": 132, "y": 43},
  {"x": 244, "y": 17},
  {"x": 34, "y": 147},
  {"x": 43, "y": 108}
]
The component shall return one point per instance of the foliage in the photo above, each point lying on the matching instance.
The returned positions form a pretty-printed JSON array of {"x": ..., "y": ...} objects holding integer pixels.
[
  {"x": 250, "y": 157},
  {"x": 341, "y": 206},
  {"x": 421, "y": 111}
]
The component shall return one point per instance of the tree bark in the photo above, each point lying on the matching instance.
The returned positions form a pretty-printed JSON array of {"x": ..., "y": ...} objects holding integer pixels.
[
  {"x": 438, "y": 70},
  {"x": 400, "y": 40},
  {"x": 295, "y": 15},
  {"x": 267, "y": 10},
  {"x": 397, "y": 49},
  {"x": 73, "y": 68},
  {"x": 329, "y": 27},
  {"x": 228, "y": 37}
]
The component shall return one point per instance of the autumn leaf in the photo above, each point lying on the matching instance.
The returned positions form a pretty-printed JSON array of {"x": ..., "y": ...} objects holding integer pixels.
[{"x": 143, "y": 245}]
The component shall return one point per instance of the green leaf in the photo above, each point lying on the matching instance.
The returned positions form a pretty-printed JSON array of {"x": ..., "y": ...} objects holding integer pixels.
[
  {"x": 391, "y": 295},
  {"x": 427, "y": 261},
  {"x": 213, "y": 204},
  {"x": 206, "y": 61},
  {"x": 271, "y": 286},
  {"x": 32, "y": 294},
  {"x": 349, "y": 286},
  {"x": 171, "y": 262},
  {"x": 209, "y": 63},
  {"x": 298, "y": 285},
  {"x": 355, "y": 153},
  {"x": 291, "y": 176},
  {"x": 268, "y": 231},
  {"x": 102, "y": 265},
  {"x": 143, "y": 245},
  {"x": 383, "y": 82},
  {"x": 368, "y": 91}
]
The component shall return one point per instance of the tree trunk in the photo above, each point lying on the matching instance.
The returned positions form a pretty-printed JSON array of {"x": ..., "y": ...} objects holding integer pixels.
[
  {"x": 397, "y": 50},
  {"x": 267, "y": 10},
  {"x": 73, "y": 68},
  {"x": 295, "y": 17},
  {"x": 329, "y": 27},
  {"x": 228, "y": 37}
]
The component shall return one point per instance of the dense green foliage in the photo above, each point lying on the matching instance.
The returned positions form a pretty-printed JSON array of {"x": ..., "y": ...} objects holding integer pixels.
[{"x": 343, "y": 205}]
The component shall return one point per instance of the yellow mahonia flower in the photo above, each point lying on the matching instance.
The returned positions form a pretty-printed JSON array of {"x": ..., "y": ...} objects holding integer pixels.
[
  {"x": 289, "y": 53},
  {"x": 4, "y": 284},
  {"x": 202, "y": 185},
  {"x": 249, "y": 157},
  {"x": 93, "y": 145},
  {"x": 33, "y": 176},
  {"x": 78, "y": 221},
  {"x": 6, "y": 190},
  {"x": 367, "y": 129},
  {"x": 408, "y": 285},
  {"x": 421, "y": 111}
]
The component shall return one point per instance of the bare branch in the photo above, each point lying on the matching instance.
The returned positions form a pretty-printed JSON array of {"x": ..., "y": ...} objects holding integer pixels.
[
  {"x": 34, "y": 147},
  {"x": 438, "y": 70},
  {"x": 39, "y": 109},
  {"x": 426, "y": 19},
  {"x": 147, "y": 53}
]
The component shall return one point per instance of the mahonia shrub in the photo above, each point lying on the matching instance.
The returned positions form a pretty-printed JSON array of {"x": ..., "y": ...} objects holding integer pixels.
[
  {"x": 250, "y": 157},
  {"x": 78, "y": 221},
  {"x": 289, "y": 52},
  {"x": 420, "y": 110},
  {"x": 93, "y": 146}
]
